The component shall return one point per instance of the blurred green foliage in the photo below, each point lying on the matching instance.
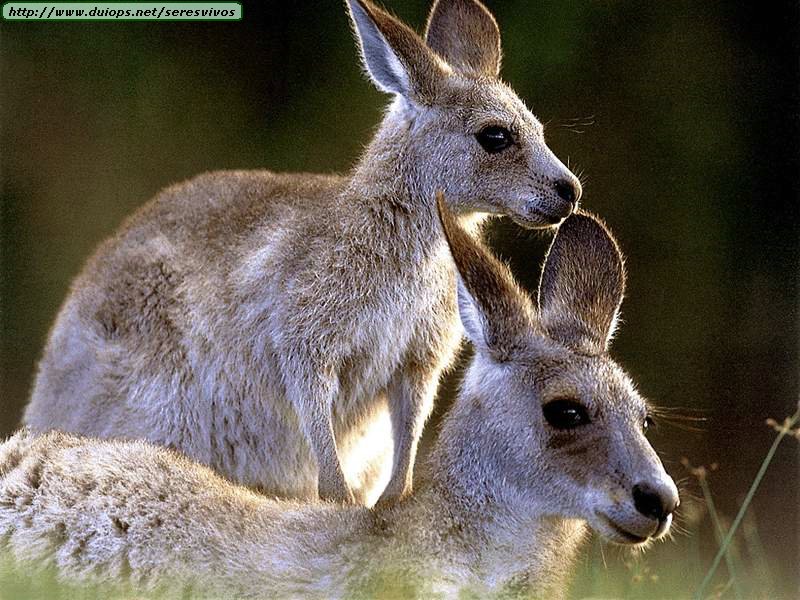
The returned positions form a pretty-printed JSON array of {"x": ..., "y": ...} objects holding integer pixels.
[{"x": 691, "y": 157}]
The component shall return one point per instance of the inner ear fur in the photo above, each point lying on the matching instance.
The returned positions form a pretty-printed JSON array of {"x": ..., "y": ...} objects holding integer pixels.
[
  {"x": 466, "y": 35},
  {"x": 395, "y": 56},
  {"x": 582, "y": 285}
]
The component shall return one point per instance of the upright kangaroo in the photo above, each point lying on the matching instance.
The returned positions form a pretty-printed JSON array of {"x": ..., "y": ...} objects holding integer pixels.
[
  {"x": 547, "y": 434},
  {"x": 264, "y": 323}
]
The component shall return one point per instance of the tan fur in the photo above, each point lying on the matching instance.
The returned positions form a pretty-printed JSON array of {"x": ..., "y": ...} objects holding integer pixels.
[
  {"x": 501, "y": 510},
  {"x": 466, "y": 35},
  {"x": 264, "y": 323}
]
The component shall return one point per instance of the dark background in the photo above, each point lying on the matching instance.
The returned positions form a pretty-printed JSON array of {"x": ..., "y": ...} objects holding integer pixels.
[{"x": 691, "y": 157}]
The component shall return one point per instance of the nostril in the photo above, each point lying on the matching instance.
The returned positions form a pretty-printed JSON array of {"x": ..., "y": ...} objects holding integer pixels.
[
  {"x": 651, "y": 503},
  {"x": 567, "y": 190}
]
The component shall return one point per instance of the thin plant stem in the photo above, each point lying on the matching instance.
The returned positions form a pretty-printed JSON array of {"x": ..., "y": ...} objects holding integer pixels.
[
  {"x": 720, "y": 535},
  {"x": 786, "y": 429},
  {"x": 763, "y": 581}
]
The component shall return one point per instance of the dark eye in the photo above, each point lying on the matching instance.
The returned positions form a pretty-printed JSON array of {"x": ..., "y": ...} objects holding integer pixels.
[
  {"x": 494, "y": 138},
  {"x": 565, "y": 414},
  {"x": 648, "y": 423}
]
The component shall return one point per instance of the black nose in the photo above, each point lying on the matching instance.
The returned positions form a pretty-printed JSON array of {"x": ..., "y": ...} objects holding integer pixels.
[
  {"x": 567, "y": 190},
  {"x": 654, "y": 503}
]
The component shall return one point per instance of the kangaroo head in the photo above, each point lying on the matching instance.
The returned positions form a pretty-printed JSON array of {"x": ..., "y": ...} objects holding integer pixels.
[
  {"x": 566, "y": 424},
  {"x": 457, "y": 127}
]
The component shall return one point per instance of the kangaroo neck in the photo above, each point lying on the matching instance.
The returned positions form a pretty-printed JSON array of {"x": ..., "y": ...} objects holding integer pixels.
[
  {"x": 482, "y": 522},
  {"x": 385, "y": 173},
  {"x": 391, "y": 175},
  {"x": 484, "y": 544}
]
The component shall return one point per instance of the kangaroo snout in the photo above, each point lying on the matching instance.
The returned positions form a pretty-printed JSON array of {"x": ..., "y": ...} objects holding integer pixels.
[
  {"x": 549, "y": 209},
  {"x": 538, "y": 213},
  {"x": 555, "y": 197},
  {"x": 646, "y": 515},
  {"x": 569, "y": 190},
  {"x": 655, "y": 500}
]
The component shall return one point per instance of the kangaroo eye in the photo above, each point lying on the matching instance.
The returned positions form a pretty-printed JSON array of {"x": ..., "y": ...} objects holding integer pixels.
[
  {"x": 565, "y": 414},
  {"x": 648, "y": 423},
  {"x": 494, "y": 138}
]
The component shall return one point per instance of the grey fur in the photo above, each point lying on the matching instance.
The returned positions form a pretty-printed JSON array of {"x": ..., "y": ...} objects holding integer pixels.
[
  {"x": 501, "y": 511},
  {"x": 281, "y": 328}
]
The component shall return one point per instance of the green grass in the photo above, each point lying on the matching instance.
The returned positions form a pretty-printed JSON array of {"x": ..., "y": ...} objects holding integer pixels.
[
  {"x": 20, "y": 582},
  {"x": 784, "y": 429}
]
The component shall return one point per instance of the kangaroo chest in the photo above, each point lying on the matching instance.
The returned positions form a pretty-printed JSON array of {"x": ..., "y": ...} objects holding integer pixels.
[{"x": 413, "y": 321}]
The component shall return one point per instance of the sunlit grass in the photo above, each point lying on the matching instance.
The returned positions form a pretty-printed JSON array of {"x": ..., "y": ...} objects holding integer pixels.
[
  {"x": 17, "y": 582},
  {"x": 783, "y": 429}
]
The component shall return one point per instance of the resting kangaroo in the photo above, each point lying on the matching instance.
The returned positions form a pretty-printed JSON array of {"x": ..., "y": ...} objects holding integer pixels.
[
  {"x": 264, "y": 323},
  {"x": 547, "y": 434}
]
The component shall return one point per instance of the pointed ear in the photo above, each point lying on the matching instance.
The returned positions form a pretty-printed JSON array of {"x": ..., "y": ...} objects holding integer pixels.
[
  {"x": 496, "y": 314},
  {"x": 582, "y": 285},
  {"x": 396, "y": 58},
  {"x": 465, "y": 34}
]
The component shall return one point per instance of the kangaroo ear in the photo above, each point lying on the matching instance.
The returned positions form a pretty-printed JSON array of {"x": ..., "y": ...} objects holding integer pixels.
[
  {"x": 396, "y": 58},
  {"x": 496, "y": 314},
  {"x": 465, "y": 34},
  {"x": 582, "y": 285}
]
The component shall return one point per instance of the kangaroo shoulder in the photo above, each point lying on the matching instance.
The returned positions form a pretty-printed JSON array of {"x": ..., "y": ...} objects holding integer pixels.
[{"x": 199, "y": 225}]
